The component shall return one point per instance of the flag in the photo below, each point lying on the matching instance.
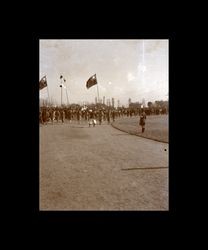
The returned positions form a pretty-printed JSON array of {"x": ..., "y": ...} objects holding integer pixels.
[
  {"x": 92, "y": 81},
  {"x": 43, "y": 83}
]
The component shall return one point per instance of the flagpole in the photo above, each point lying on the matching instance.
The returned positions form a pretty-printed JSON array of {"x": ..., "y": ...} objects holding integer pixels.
[
  {"x": 66, "y": 93},
  {"x": 48, "y": 92},
  {"x": 61, "y": 95},
  {"x": 67, "y": 96},
  {"x": 48, "y": 95},
  {"x": 61, "y": 91},
  {"x": 97, "y": 89},
  {"x": 61, "y": 88},
  {"x": 98, "y": 93}
]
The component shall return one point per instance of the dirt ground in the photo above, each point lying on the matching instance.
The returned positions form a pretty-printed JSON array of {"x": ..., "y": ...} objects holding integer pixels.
[{"x": 101, "y": 168}]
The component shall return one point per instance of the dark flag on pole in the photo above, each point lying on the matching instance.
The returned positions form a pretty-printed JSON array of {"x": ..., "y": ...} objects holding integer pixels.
[
  {"x": 92, "y": 81},
  {"x": 43, "y": 83}
]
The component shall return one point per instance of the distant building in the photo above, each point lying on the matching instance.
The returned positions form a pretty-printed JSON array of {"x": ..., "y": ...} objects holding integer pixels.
[
  {"x": 113, "y": 102},
  {"x": 103, "y": 99},
  {"x": 129, "y": 101},
  {"x": 143, "y": 102}
]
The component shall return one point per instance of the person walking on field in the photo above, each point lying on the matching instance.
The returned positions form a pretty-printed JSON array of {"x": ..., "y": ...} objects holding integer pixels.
[
  {"x": 92, "y": 120},
  {"x": 142, "y": 121}
]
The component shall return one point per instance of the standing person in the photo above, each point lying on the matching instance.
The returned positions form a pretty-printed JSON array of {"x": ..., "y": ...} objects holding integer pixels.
[
  {"x": 70, "y": 115},
  {"x": 57, "y": 114},
  {"x": 78, "y": 116},
  {"x": 142, "y": 121},
  {"x": 94, "y": 116},
  {"x": 44, "y": 117},
  {"x": 85, "y": 115},
  {"x": 47, "y": 116},
  {"x": 104, "y": 115},
  {"x": 40, "y": 117},
  {"x": 53, "y": 115},
  {"x": 108, "y": 116},
  {"x": 113, "y": 115},
  {"x": 90, "y": 118},
  {"x": 100, "y": 117},
  {"x": 62, "y": 116}
]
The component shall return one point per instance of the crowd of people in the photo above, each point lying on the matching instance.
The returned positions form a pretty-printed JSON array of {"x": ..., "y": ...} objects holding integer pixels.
[
  {"x": 89, "y": 114},
  {"x": 59, "y": 114}
]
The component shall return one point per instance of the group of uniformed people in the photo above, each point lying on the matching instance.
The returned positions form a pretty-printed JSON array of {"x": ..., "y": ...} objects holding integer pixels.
[
  {"x": 58, "y": 114},
  {"x": 51, "y": 114},
  {"x": 94, "y": 114}
]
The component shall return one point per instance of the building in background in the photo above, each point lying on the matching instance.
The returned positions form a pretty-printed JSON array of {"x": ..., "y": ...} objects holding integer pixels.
[
  {"x": 118, "y": 103},
  {"x": 129, "y": 102},
  {"x": 113, "y": 102}
]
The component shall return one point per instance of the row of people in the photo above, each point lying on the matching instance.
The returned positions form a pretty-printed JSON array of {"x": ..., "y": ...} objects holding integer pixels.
[
  {"x": 48, "y": 114},
  {"x": 55, "y": 115}
]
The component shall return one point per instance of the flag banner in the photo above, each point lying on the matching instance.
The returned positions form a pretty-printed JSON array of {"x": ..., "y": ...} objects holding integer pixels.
[
  {"x": 92, "y": 81},
  {"x": 43, "y": 83}
]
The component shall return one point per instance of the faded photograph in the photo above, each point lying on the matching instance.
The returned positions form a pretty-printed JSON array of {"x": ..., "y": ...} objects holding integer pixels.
[{"x": 103, "y": 125}]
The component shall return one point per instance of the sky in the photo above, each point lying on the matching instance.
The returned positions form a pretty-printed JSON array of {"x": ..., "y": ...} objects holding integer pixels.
[{"x": 136, "y": 69}]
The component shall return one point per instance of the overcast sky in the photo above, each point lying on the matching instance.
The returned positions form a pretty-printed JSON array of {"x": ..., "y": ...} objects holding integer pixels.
[{"x": 136, "y": 69}]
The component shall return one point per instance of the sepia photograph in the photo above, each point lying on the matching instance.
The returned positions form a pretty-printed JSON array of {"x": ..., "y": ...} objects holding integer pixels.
[{"x": 104, "y": 125}]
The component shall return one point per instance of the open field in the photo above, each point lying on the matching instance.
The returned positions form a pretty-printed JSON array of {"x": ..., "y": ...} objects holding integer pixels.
[{"x": 101, "y": 168}]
